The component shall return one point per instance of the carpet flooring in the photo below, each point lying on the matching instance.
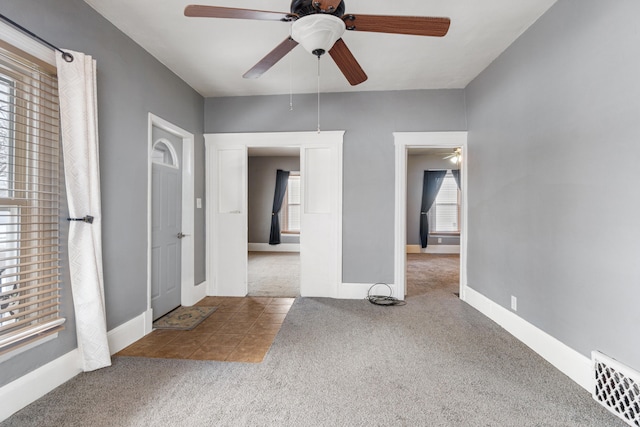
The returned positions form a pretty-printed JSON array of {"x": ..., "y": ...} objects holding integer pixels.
[
  {"x": 433, "y": 362},
  {"x": 429, "y": 273},
  {"x": 273, "y": 274}
]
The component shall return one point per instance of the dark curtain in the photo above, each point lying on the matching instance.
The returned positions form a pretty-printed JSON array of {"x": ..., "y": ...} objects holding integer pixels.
[
  {"x": 282, "y": 177},
  {"x": 456, "y": 176},
  {"x": 431, "y": 184}
]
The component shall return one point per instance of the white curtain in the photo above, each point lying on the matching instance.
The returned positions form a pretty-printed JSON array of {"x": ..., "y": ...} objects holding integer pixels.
[{"x": 79, "y": 121}]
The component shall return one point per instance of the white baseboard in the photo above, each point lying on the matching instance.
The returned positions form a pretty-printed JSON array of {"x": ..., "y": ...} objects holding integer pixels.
[
  {"x": 282, "y": 247},
  {"x": 361, "y": 290},
  {"x": 433, "y": 249},
  {"x": 128, "y": 333},
  {"x": 573, "y": 364},
  {"x": 32, "y": 386},
  {"x": 198, "y": 292},
  {"x": 201, "y": 291}
]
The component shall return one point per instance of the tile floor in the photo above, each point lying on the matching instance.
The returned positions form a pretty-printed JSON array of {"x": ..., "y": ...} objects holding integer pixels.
[{"x": 240, "y": 330}]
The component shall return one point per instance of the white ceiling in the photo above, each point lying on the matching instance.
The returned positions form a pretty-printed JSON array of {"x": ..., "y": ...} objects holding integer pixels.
[{"x": 211, "y": 55}]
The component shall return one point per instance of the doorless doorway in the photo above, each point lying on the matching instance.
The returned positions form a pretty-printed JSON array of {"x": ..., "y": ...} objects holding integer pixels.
[{"x": 403, "y": 142}]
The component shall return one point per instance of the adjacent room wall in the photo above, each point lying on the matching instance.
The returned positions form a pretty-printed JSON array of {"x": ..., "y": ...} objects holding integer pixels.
[
  {"x": 369, "y": 119},
  {"x": 131, "y": 83},
  {"x": 262, "y": 184},
  {"x": 416, "y": 165},
  {"x": 553, "y": 163}
]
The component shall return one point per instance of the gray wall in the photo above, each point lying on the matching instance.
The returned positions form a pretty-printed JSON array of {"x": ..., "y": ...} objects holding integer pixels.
[
  {"x": 262, "y": 185},
  {"x": 369, "y": 119},
  {"x": 131, "y": 83},
  {"x": 553, "y": 159},
  {"x": 416, "y": 165}
]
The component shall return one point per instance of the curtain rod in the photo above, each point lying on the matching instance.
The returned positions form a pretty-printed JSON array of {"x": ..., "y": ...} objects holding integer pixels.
[{"x": 65, "y": 55}]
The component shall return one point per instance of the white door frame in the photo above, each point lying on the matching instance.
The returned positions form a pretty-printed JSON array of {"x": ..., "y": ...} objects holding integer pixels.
[
  {"x": 403, "y": 142},
  {"x": 189, "y": 294},
  {"x": 245, "y": 141}
]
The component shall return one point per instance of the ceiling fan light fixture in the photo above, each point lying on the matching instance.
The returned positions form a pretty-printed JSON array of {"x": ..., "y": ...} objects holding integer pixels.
[{"x": 318, "y": 33}]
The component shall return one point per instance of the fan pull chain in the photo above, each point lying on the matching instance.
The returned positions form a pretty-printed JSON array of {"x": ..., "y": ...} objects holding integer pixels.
[
  {"x": 290, "y": 72},
  {"x": 290, "y": 83},
  {"x": 318, "y": 94}
]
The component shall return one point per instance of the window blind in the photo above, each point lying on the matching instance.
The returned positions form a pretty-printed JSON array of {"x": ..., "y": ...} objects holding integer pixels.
[
  {"x": 292, "y": 211},
  {"x": 447, "y": 206},
  {"x": 30, "y": 181}
]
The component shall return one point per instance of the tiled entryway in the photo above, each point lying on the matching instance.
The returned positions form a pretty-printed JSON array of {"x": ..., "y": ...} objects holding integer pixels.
[{"x": 240, "y": 330}]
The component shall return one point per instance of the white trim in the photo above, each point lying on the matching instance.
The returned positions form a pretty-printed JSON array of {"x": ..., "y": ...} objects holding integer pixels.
[
  {"x": 282, "y": 247},
  {"x": 172, "y": 150},
  {"x": 433, "y": 249},
  {"x": 573, "y": 364},
  {"x": 32, "y": 386},
  {"x": 188, "y": 294},
  {"x": 199, "y": 292},
  {"x": 403, "y": 142},
  {"x": 27, "y": 44},
  {"x": 361, "y": 290},
  {"x": 214, "y": 142},
  {"x": 31, "y": 332},
  {"x": 127, "y": 333}
]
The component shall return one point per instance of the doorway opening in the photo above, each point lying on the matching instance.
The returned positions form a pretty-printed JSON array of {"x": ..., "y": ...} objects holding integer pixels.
[
  {"x": 433, "y": 221},
  {"x": 441, "y": 265},
  {"x": 273, "y": 267},
  {"x": 321, "y": 209}
]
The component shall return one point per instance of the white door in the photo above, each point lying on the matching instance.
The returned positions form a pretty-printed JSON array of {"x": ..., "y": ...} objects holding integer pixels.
[{"x": 166, "y": 218}]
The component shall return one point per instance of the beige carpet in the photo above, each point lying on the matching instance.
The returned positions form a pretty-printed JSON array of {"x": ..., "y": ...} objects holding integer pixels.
[
  {"x": 274, "y": 274},
  {"x": 427, "y": 273}
]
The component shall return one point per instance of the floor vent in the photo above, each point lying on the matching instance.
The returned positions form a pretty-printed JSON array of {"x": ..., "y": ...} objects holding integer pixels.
[{"x": 617, "y": 388}]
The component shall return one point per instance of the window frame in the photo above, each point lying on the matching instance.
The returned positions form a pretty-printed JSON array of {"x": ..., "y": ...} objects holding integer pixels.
[
  {"x": 432, "y": 214},
  {"x": 284, "y": 226},
  {"x": 32, "y": 189}
]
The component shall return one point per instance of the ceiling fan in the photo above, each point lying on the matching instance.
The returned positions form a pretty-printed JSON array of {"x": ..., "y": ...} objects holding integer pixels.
[
  {"x": 455, "y": 156},
  {"x": 318, "y": 25}
]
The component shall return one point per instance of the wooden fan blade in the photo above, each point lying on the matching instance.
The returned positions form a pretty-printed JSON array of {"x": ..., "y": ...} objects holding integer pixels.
[
  {"x": 199, "y": 11},
  {"x": 347, "y": 63},
  {"x": 327, "y": 5},
  {"x": 412, "y": 25},
  {"x": 270, "y": 60}
]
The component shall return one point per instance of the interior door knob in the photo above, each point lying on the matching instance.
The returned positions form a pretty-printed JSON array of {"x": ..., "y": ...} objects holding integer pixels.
[{"x": 181, "y": 235}]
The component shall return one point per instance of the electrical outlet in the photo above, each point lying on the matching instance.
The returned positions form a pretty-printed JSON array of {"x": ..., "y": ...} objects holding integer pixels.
[
  {"x": 198, "y": 203},
  {"x": 514, "y": 303},
  {"x": 439, "y": 239}
]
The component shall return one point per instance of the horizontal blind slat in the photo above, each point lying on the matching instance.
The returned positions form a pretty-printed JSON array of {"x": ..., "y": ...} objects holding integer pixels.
[
  {"x": 30, "y": 188},
  {"x": 28, "y": 316},
  {"x": 41, "y": 316},
  {"x": 15, "y": 305},
  {"x": 27, "y": 280},
  {"x": 13, "y": 290}
]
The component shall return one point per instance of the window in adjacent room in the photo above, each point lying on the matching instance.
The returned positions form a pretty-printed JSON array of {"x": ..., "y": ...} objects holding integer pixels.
[
  {"x": 444, "y": 216},
  {"x": 291, "y": 205},
  {"x": 29, "y": 200}
]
